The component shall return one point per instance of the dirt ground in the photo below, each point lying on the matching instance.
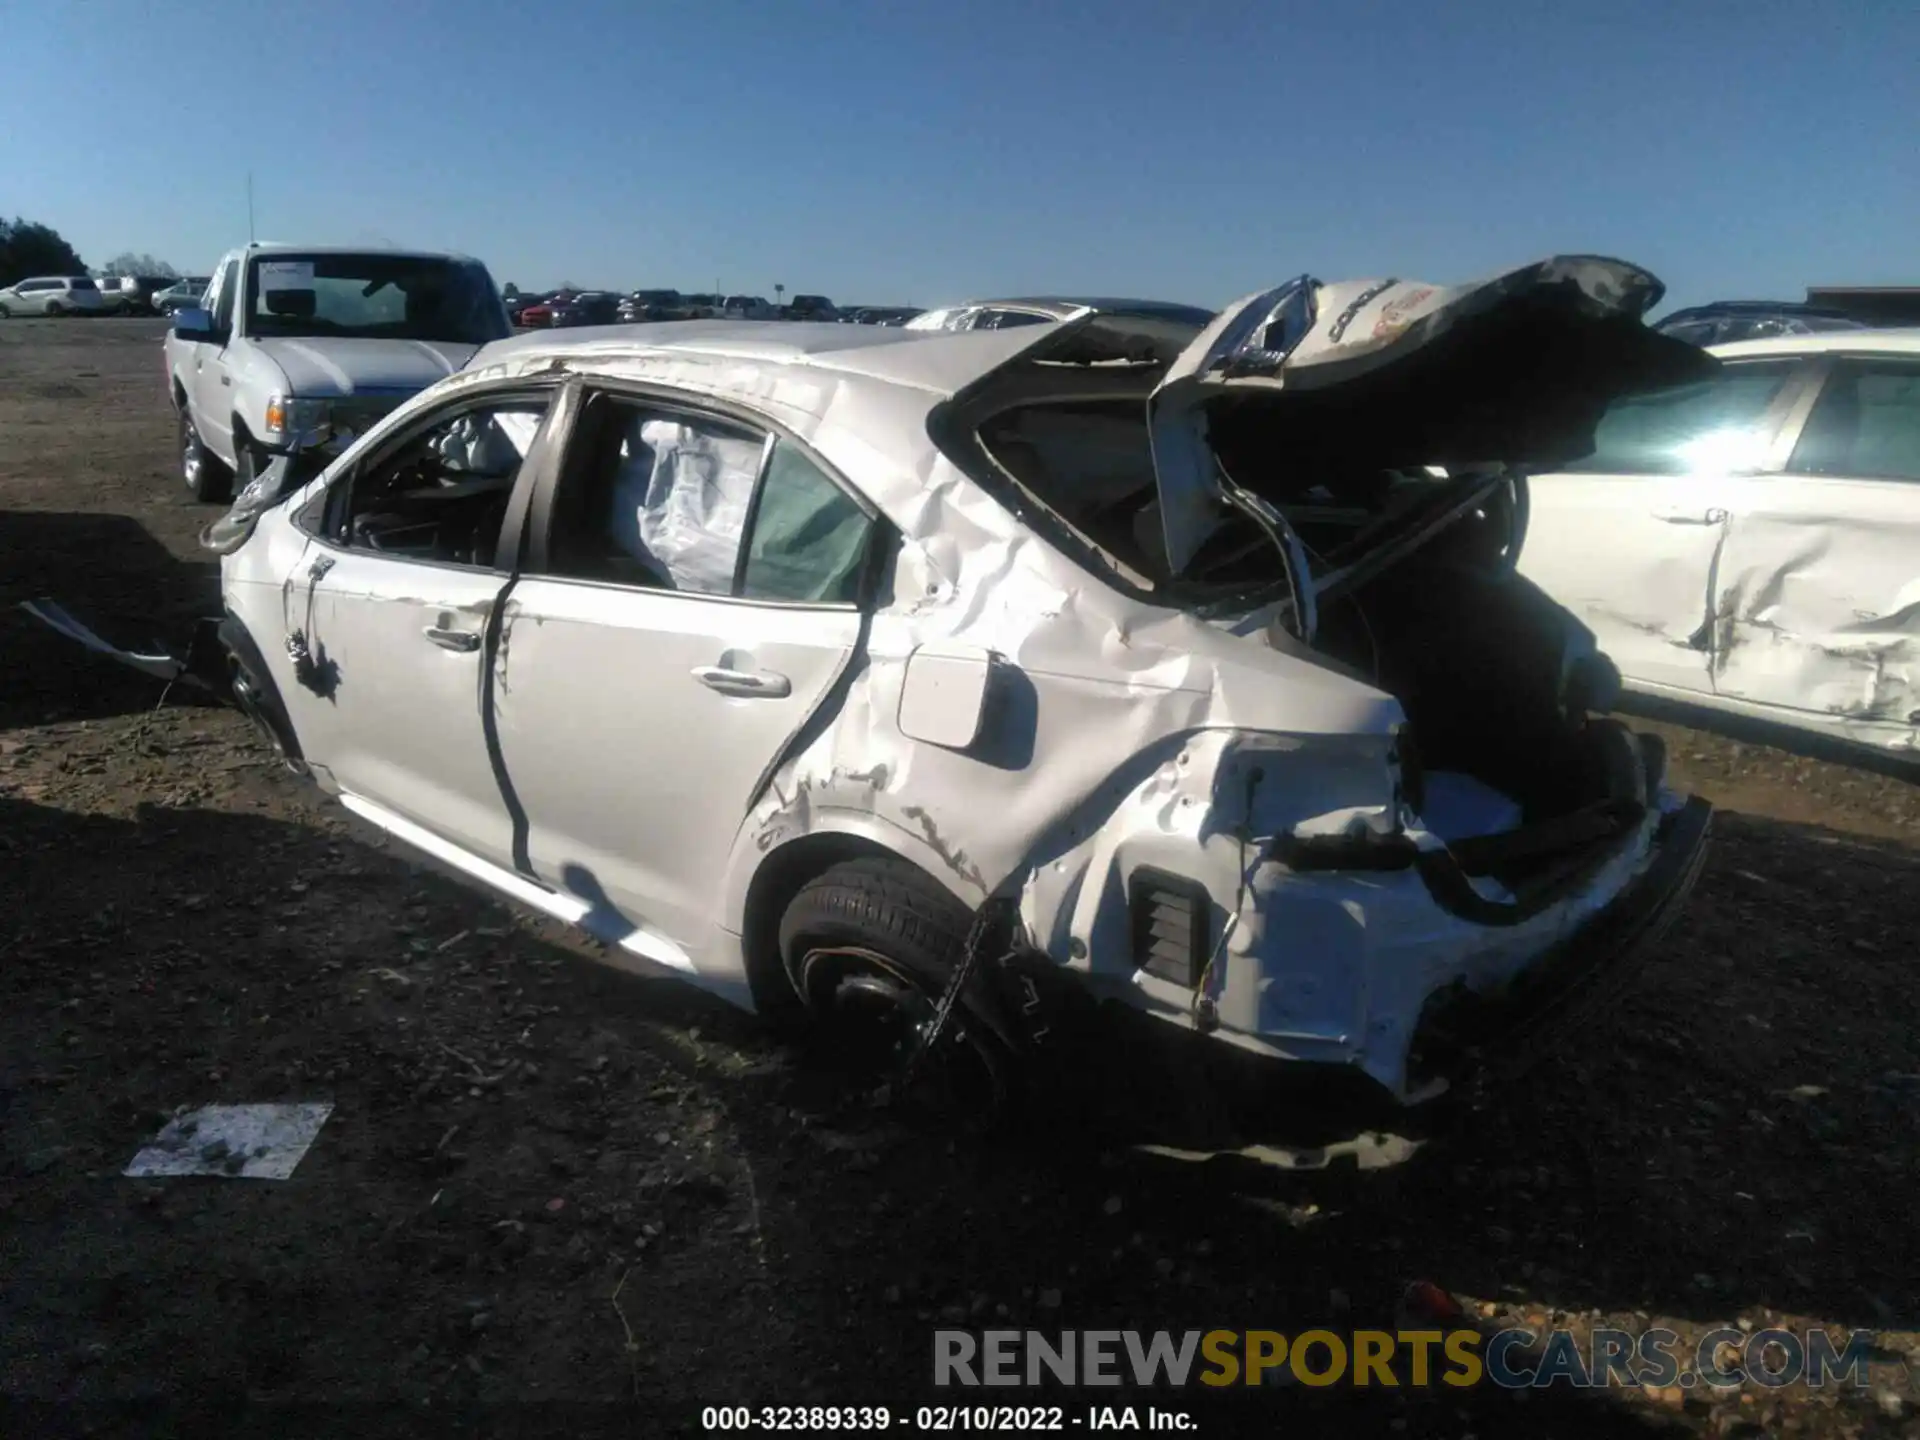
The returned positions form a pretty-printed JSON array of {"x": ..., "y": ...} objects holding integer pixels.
[{"x": 558, "y": 1197}]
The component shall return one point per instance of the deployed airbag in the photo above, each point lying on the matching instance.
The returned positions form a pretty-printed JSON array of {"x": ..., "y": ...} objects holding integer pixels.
[{"x": 680, "y": 500}]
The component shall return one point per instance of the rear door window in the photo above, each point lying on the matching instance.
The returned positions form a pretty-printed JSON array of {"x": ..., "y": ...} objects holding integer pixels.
[
  {"x": 670, "y": 499},
  {"x": 1866, "y": 423},
  {"x": 1694, "y": 427},
  {"x": 808, "y": 540}
]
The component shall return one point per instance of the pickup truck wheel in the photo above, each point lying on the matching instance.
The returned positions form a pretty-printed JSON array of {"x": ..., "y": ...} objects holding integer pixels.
[
  {"x": 869, "y": 947},
  {"x": 207, "y": 479}
]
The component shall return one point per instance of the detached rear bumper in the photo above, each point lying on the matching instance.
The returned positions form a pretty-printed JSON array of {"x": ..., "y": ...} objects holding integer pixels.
[{"x": 1462, "y": 1036}]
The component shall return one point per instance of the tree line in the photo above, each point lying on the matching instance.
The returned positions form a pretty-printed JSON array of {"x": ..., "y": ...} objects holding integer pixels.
[{"x": 28, "y": 248}]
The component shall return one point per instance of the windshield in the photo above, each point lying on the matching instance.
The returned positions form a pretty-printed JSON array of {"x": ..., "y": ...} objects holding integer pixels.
[{"x": 376, "y": 297}]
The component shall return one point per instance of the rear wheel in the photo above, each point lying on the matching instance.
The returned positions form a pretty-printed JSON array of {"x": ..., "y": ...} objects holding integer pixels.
[
  {"x": 869, "y": 947},
  {"x": 207, "y": 479},
  {"x": 54, "y": 307}
]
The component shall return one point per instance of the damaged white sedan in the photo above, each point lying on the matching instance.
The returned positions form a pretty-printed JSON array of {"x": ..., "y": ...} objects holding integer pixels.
[{"x": 951, "y": 680}]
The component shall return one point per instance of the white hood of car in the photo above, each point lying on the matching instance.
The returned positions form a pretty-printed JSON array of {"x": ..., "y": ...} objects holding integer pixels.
[{"x": 329, "y": 368}]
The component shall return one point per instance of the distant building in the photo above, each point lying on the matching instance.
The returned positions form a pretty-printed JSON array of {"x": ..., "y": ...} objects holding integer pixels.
[{"x": 1870, "y": 304}]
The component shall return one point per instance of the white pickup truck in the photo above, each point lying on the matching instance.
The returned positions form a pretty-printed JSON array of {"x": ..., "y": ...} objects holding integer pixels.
[{"x": 301, "y": 347}]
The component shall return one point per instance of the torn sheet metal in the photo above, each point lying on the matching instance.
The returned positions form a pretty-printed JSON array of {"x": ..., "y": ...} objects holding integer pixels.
[
  {"x": 283, "y": 475},
  {"x": 157, "y": 663},
  {"x": 247, "y": 1142}
]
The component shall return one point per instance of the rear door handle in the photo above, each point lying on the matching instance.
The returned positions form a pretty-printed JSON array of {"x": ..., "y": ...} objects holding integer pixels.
[
  {"x": 460, "y": 641},
  {"x": 761, "y": 684},
  {"x": 1713, "y": 515}
]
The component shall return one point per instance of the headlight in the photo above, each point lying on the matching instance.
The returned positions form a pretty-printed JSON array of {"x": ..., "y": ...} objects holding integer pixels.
[{"x": 305, "y": 422}]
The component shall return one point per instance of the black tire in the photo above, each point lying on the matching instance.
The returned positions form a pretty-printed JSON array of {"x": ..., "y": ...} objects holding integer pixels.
[
  {"x": 869, "y": 947},
  {"x": 207, "y": 478},
  {"x": 5, "y": 313}
]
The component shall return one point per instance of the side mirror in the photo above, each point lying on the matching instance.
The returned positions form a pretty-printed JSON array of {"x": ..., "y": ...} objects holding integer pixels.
[{"x": 193, "y": 324}]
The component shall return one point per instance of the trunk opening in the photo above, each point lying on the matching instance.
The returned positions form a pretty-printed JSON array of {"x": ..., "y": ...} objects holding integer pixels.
[{"x": 1497, "y": 680}]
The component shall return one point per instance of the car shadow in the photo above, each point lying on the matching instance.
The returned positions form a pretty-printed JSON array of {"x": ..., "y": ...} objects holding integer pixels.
[{"x": 113, "y": 576}]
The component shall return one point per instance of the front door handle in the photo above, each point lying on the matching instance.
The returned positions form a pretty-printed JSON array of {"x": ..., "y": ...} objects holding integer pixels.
[
  {"x": 462, "y": 642},
  {"x": 1712, "y": 515},
  {"x": 760, "y": 684}
]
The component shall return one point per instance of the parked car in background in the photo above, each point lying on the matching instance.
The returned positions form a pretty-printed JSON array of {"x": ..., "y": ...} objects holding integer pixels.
[
  {"x": 539, "y": 313},
  {"x": 702, "y": 306},
  {"x": 1726, "y": 321},
  {"x": 1301, "y": 771},
  {"x": 51, "y": 295},
  {"x": 747, "y": 307},
  {"x": 887, "y": 314},
  {"x": 1750, "y": 544},
  {"x": 811, "y": 307},
  {"x": 1012, "y": 314},
  {"x": 589, "y": 307},
  {"x": 643, "y": 305},
  {"x": 181, "y": 294},
  {"x": 130, "y": 294},
  {"x": 302, "y": 347},
  {"x": 518, "y": 305}
]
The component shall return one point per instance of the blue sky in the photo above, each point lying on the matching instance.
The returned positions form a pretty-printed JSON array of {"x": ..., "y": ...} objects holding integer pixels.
[{"x": 928, "y": 150}]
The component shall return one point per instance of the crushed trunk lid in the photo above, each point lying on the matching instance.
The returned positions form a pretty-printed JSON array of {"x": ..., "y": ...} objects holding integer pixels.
[{"x": 1313, "y": 378}]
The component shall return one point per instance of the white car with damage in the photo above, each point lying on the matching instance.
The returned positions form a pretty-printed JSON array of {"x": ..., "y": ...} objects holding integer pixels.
[
  {"x": 945, "y": 682},
  {"x": 297, "y": 347},
  {"x": 1749, "y": 544}
]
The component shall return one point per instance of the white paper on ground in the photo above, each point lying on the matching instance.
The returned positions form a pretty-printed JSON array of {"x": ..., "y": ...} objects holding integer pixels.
[{"x": 269, "y": 1140}]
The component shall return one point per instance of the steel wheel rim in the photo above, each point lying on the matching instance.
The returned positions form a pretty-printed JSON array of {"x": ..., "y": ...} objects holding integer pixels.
[
  {"x": 879, "y": 1011},
  {"x": 192, "y": 459}
]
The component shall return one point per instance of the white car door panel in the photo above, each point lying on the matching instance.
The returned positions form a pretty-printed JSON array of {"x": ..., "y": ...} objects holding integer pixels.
[
  {"x": 1631, "y": 540},
  {"x": 635, "y": 726},
  {"x": 691, "y": 597},
  {"x": 1817, "y": 602},
  {"x": 390, "y": 617},
  {"x": 396, "y": 654},
  {"x": 212, "y": 382},
  {"x": 1632, "y": 560}
]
